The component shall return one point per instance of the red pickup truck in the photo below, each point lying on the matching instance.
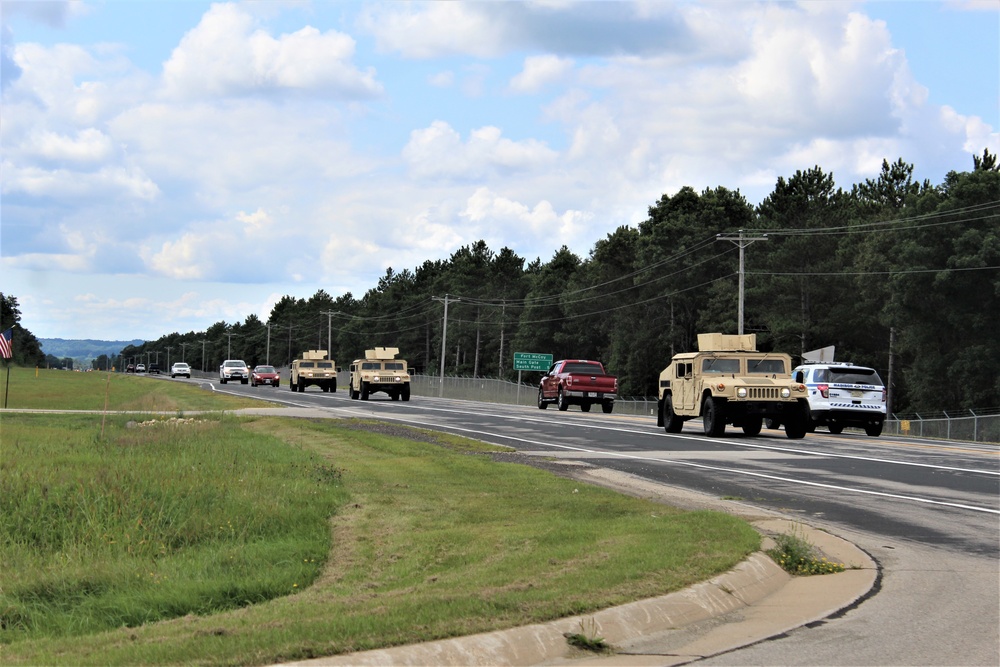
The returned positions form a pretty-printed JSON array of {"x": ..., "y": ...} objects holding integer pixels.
[{"x": 577, "y": 382}]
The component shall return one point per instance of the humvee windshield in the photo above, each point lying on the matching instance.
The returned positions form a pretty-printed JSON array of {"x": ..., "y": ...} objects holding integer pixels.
[
  {"x": 325, "y": 364},
  {"x": 306, "y": 364},
  {"x": 394, "y": 366},
  {"x": 767, "y": 366},
  {"x": 371, "y": 366},
  {"x": 720, "y": 366}
]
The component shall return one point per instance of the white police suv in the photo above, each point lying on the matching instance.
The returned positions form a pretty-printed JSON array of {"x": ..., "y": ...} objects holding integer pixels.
[{"x": 842, "y": 394}]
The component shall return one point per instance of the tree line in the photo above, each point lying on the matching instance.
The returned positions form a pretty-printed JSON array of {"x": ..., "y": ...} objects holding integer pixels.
[{"x": 893, "y": 273}]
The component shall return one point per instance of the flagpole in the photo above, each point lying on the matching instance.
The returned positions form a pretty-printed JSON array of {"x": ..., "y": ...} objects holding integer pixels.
[{"x": 6, "y": 391}]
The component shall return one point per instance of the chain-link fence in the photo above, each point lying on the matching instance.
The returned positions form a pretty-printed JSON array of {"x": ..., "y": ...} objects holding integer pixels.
[{"x": 974, "y": 427}]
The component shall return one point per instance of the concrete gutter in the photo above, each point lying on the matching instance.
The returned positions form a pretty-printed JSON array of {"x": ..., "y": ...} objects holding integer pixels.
[{"x": 752, "y": 602}]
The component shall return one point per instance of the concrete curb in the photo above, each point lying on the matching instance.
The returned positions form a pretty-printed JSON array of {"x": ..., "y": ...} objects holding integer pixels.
[{"x": 753, "y": 601}]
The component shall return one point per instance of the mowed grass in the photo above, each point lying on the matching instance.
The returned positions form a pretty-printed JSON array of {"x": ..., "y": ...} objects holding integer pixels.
[
  {"x": 47, "y": 389},
  {"x": 246, "y": 541}
]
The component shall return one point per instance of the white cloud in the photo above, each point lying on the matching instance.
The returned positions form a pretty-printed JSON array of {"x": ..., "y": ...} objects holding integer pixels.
[
  {"x": 539, "y": 71},
  {"x": 224, "y": 55},
  {"x": 433, "y": 29},
  {"x": 442, "y": 79},
  {"x": 438, "y": 151},
  {"x": 110, "y": 181},
  {"x": 519, "y": 220},
  {"x": 89, "y": 145}
]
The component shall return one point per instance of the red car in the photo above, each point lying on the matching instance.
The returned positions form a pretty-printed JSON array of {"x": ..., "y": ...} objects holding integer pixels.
[{"x": 264, "y": 375}]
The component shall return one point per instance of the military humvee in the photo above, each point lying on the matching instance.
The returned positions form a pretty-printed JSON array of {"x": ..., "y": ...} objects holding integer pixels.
[
  {"x": 729, "y": 382},
  {"x": 380, "y": 371},
  {"x": 313, "y": 368}
]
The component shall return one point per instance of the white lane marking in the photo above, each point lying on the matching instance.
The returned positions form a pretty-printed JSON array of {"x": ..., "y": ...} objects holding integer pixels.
[
  {"x": 704, "y": 466},
  {"x": 735, "y": 443}
]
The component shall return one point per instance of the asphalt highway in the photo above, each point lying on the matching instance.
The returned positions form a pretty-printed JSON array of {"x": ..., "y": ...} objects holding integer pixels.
[{"x": 927, "y": 511}]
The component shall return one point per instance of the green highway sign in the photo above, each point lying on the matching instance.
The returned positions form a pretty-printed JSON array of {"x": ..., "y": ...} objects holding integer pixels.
[{"x": 531, "y": 361}]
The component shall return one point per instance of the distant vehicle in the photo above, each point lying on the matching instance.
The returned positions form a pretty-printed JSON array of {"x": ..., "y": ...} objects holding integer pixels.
[
  {"x": 154, "y": 368},
  {"x": 313, "y": 368},
  {"x": 140, "y": 368},
  {"x": 577, "y": 382},
  {"x": 180, "y": 368},
  {"x": 234, "y": 369},
  {"x": 130, "y": 368},
  {"x": 264, "y": 375}
]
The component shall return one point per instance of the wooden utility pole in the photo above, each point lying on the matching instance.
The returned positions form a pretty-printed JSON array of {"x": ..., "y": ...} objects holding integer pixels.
[{"x": 742, "y": 241}]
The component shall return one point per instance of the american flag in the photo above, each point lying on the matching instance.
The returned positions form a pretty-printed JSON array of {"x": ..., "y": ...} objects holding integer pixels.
[{"x": 6, "y": 350}]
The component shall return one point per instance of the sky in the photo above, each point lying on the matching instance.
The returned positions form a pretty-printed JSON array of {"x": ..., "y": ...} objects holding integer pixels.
[{"x": 169, "y": 165}]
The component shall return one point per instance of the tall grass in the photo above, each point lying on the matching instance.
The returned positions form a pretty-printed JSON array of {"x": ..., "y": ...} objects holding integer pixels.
[{"x": 151, "y": 522}]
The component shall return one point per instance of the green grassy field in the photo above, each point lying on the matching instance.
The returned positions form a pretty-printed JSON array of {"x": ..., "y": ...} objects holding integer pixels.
[
  {"x": 249, "y": 540},
  {"x": 46, "y": 389}
]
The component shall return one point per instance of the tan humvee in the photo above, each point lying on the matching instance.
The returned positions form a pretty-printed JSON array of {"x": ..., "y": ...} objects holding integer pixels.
[
  {"x": 313, "y": 368},
  {"x": 380, "y": 371},
  {"x": 729, "y": 382}
]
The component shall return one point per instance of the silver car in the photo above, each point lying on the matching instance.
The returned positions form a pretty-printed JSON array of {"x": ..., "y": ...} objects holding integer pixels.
[{"x": 234, "y": 369}]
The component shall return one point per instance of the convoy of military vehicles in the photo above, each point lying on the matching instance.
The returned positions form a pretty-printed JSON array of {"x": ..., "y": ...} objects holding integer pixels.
[{"x": 727, "y": 381}]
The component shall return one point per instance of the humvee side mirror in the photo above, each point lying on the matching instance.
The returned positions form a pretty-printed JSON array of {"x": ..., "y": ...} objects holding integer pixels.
[{"x": 800, "y": 376}]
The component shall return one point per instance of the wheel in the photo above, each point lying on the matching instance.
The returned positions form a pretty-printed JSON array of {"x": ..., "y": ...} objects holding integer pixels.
[
  {"x": 671, "y": 422},
  {"x": 333, "y": 386},
  {"x": 752, "y": 425},
  {"x": 561, "y": 401},
  {"x": 222, "y": 381},
  {"x": 585, "y": 407},
  {"x": 607, "y": 407},
  {"x": 353, "y": 394},
  {"x": 276, "y": 384},
  {"x": 364, "y": 391},
  {"x": 302, "y": 387},
  {"x": 797, "y": 424},
  {"x": 541, "y": 401},
  {"x": 406, "y": 392},
  {"x": 795, "y": 431},
  {"x": 291, "y": 385},
  {"x": 712, "y": 412},
  {"x": 836, "y": 429},
  {"x": 874, "y": 430}
]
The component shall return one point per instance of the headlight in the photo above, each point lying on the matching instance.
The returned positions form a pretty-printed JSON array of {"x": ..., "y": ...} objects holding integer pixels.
[
  {"x": 741, "y": 392},
  {"x": 375, "y": 379},
  {"x": 399, "y": 379},
  {"x": 786, "y": 392}
]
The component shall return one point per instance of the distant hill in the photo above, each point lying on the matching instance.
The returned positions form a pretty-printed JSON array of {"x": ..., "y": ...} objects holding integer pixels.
[{"x": 84, "y": 349}]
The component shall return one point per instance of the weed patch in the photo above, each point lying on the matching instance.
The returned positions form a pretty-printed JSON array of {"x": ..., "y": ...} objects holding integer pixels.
[{"x": 797, "y": 556}]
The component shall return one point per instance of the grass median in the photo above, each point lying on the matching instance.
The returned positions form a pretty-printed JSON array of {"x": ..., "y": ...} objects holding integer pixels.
[{"x": 226, "y": 540}]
